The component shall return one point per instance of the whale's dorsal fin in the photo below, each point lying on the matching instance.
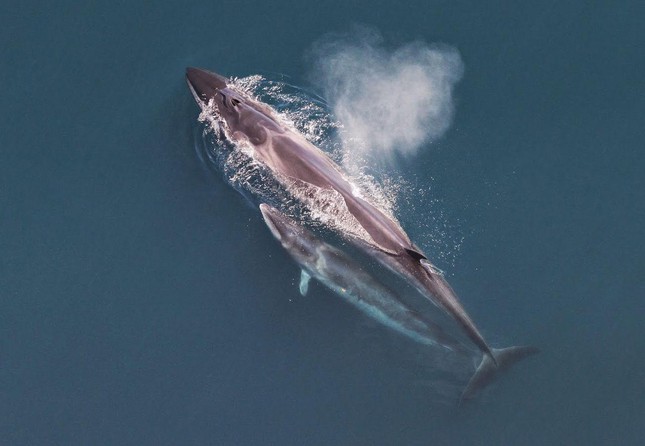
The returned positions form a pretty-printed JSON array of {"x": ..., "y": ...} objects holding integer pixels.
[
  {"x": 416, "y": 255},
  {"x": 305, "y": 277}
]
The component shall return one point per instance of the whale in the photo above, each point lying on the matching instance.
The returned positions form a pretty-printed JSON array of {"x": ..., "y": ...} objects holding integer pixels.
[
  {"x": 345, "y": 277},
  {"x": 340, "y": 273},
  {"x": 296, "y": 162}
]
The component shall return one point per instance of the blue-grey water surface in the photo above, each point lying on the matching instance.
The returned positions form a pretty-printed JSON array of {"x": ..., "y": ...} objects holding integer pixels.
[{"x": 143, "y": 302}]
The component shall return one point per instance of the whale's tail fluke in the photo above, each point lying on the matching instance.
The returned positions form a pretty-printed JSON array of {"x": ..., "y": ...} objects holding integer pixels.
[{"x": 487, "y": 371}]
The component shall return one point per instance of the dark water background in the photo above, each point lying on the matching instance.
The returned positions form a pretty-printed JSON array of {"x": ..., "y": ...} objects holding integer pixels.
[{"x": 143, "y": 303}]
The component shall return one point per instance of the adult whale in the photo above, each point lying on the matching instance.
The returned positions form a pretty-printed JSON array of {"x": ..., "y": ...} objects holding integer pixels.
[{"x": 293, "y": 159}]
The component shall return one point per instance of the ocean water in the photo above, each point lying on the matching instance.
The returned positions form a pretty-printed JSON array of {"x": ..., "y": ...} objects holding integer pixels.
[{"x": 143, "y": 301}]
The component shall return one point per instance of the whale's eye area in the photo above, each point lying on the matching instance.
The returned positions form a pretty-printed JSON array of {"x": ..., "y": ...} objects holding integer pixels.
[{"x": 235, "y": 102}]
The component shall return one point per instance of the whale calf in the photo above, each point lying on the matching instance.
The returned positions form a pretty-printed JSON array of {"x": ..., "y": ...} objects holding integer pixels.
[
  {"x": 341, "y": 274},
  {"x": 295, "y": 161}
]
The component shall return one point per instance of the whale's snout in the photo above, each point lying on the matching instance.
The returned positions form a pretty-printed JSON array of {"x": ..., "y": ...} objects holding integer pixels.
[
  {"x": 274, "y": 220},
  {"x": 204, "y": 84}
]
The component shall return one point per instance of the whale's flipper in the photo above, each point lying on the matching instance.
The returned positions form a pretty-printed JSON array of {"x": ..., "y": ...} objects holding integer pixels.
[
  {"x": 487, "y": 371},
  {"x": 304, "y": 282}
]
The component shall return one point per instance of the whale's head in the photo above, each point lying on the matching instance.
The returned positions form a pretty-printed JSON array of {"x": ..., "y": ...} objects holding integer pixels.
[
  {"x": 242, "y": 115},
  {"x": 207, "y": 86},
  {"x": 298, "y": 241}
]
